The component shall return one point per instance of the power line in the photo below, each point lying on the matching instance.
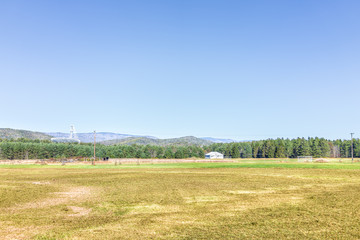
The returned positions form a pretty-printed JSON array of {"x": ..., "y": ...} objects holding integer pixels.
[
  {"x": 352, "y": 147},
  {"x": 94, "y": 148}
]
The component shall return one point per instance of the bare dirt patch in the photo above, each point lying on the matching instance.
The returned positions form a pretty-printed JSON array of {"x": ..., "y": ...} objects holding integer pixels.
[
  {"x": 72, "y": 194},
  {"x": 40, "y": 183},
  {"x": 9, "y": 232},
  {"x": 78, "y": 211},
  {"x": 200, "y": 199},
  {"x": 250, "y": 192},
  {"x": 321, "y": 160}
]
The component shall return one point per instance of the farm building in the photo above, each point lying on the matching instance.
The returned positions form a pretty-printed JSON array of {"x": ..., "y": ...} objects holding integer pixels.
[{"x": 214, "y": 155}]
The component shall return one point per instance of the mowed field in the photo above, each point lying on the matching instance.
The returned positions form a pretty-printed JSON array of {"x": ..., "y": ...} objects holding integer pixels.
[{"x": 245, "y": 200}]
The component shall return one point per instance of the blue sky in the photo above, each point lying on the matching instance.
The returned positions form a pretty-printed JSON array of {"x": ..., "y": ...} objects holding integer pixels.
[{"x": 230, "y": 69}]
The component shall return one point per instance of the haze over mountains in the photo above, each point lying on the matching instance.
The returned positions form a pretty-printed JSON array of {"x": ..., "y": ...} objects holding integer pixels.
[
  {"x": 218, "y": 140},
  {"x": 100, "y": 136},
  {"x": 110, "y": 138}
]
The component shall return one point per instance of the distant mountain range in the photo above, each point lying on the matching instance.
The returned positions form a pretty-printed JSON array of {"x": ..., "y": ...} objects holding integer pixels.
[
  {"x": 100, "y": 136},
  {"x": 218, "y": 140},
  {"x": 110, "y": 138},
  {"x": 189, "y": 140},
  {"x": 118, "y": 138}
]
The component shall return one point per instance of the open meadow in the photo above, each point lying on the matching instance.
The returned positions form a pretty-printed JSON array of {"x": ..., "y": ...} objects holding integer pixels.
[{"x": 239, "y": 200}]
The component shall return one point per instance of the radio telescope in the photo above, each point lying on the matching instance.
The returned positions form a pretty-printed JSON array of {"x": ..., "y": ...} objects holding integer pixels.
[{"x": 72, "y": 138}]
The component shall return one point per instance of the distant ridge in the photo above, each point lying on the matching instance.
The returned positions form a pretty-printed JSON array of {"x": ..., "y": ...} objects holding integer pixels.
[
  {"x": 109, "y": 138},
  {"x": 189, "y": 140},
  {"x": 100, "y": 136},
  {"x": 218, "y": 140},
  {"x": 9, "y": 133}
]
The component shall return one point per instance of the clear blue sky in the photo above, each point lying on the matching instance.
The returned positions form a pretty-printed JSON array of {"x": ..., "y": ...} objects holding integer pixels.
[{"x": 231, "y": 69}]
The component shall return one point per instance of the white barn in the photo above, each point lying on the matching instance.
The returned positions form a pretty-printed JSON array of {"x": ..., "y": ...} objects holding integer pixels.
[{"x": 214, "y": 155}]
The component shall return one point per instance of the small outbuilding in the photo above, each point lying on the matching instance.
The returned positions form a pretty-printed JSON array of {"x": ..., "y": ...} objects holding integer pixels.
[{"x": 214, "y": 155}]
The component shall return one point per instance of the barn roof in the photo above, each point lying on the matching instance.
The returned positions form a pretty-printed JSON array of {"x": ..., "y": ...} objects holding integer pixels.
[{"x": 214, "y": 153}]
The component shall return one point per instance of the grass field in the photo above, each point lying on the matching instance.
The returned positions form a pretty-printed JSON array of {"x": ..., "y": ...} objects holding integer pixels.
[{"x": 242, "y": 200}]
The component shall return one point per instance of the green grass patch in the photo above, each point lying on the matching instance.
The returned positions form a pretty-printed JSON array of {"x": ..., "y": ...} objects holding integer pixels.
[{"x": 261, "y": 164}]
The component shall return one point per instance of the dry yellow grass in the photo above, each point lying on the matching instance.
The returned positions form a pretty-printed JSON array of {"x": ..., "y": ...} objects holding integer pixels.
[{"x": 233, "y": 203}]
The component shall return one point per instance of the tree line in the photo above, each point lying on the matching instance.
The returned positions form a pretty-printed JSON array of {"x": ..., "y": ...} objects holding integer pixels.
[
  {"x": 270, "y": 148},
  {"x": 288, "y": 148},
  {"x": 43, "y": 149}
]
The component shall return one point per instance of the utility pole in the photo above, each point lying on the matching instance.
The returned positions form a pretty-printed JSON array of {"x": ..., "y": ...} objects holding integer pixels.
[
  {"x": 352, "y": 147},
  {"x": 94, "y": 148}
]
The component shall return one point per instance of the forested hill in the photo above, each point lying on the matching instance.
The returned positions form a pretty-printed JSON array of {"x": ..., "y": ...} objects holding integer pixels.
[
  {"x": 9, "y": 133},
  {"x": 182, "y": 141},
  {"x": 100, "y": 136},
  {"x": 119, "y": 138},
  {"x": 110, "y": 138}
]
